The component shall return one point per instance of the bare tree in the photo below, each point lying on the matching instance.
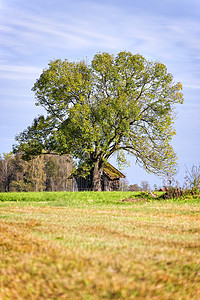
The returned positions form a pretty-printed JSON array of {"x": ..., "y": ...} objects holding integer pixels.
[
  {"x": 123, "y": 184},
  {"x": 35, "y": 173},
  {"x": 145, "y": 186},
  {"x": 192, "y": 177},
  {"x": 58, "y": 170},
  {"x": 6, "y": 171},
  {"x": 134, "y": 187}
]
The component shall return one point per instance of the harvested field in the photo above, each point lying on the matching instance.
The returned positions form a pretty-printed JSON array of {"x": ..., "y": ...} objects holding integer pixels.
[{"x": 97, "y": 249}]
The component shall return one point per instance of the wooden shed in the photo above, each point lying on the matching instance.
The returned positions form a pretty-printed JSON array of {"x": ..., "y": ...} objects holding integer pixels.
[{"x": 110, "y": 178}]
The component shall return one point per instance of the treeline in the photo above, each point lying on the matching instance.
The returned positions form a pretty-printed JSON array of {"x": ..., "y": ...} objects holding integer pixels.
[
  {"x": 124, "y": 186},
  {"x": 43, "y": 173}
]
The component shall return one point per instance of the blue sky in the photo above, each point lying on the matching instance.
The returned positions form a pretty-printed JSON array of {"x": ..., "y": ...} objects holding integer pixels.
[{"x": 34, "y": 32}]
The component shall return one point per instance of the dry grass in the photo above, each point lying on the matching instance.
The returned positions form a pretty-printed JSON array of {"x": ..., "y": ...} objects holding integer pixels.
[{"x": 130, "y": 251}]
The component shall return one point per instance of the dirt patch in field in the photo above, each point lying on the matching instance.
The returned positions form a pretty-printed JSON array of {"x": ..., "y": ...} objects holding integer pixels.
[{"x": 134, "y": 200}]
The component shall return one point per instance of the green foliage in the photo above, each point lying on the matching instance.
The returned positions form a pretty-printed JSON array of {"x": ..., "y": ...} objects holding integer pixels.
[{"x": 122, "y": 104}]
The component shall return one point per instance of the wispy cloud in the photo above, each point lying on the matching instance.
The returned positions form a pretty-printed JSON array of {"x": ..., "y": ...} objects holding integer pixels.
[
  {"x": 154, "y": 36},
  {"x": 19, "y": 72},
  {"x": 38, "y": 31},
  {"x": 193, "y": 87},
  {"x": 174, "y": 41}
]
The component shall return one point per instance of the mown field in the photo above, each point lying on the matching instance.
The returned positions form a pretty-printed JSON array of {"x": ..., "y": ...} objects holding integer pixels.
[{"x": 105, "y": 245}]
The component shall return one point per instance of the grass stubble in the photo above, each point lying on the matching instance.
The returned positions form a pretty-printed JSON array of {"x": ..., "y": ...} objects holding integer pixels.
[{"x": 53, "y": 250}]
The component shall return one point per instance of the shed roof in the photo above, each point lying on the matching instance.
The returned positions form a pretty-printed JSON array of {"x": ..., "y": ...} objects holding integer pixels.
[
  {"x": 112, "y": 172},
  {"x": 108, "y": 169}
]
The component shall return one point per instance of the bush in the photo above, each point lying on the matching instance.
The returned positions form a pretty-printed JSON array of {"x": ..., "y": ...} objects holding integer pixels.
[
  {"x": 177, "y": 192},
  {"x": 173, "y": 192}
]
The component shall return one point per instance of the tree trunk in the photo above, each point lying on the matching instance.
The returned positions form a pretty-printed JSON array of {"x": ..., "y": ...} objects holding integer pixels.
[{"x": 96, "y": 176}]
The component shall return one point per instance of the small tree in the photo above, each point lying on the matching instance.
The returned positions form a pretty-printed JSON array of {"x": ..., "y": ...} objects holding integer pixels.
[
  {"x": 192, "y": 177},
  {"x": 6, "y": 171},
  {"x": 145, "y": 186},
  {"x": 19, "y": 169},
  {"x": 51, "y": 170},
  {"x": 134, "y": 187},
  {"x": 155, "y": 188},
  {"x": 122, "y": 104},
  {"x": 58, "y": 170},
  {"x": 35, "y": 174},
  {"x": 123, "y": 184}
]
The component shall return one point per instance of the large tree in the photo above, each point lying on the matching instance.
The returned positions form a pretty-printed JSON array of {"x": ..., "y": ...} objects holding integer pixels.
[{"x": 117, "y": 104}]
